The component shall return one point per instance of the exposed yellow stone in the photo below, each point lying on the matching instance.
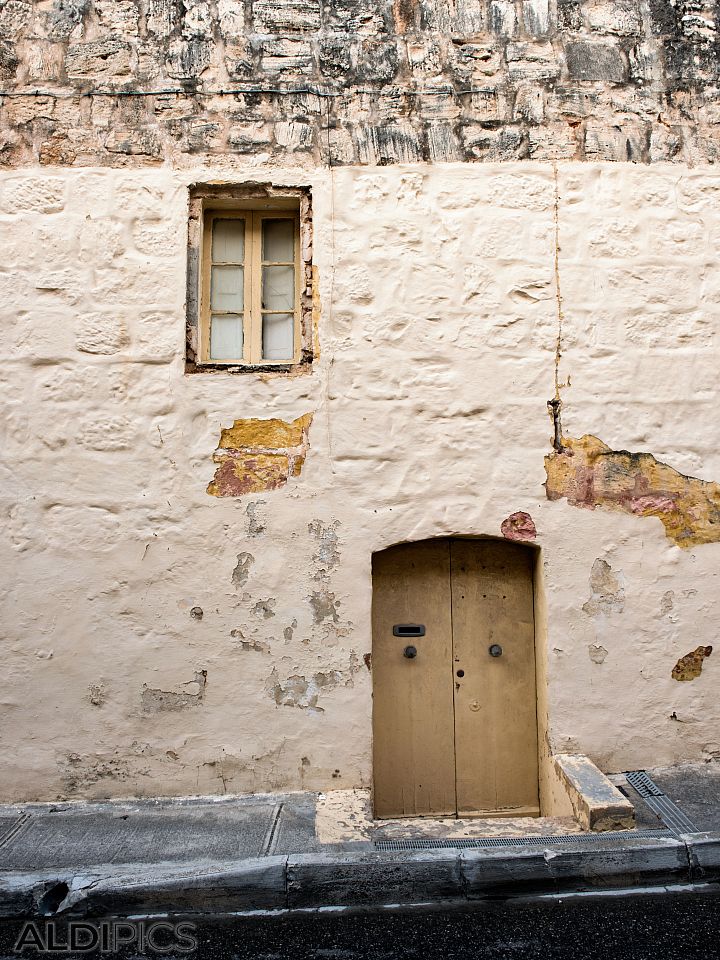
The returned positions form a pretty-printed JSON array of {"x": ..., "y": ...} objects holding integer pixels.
[
  {"x": 252, "y": 473},
  {"x": 690, "y": 666},
  {"x": 587, "y": 473},
  {"x": 246, "y": 463},
  {"x": 265, "y": 434}
]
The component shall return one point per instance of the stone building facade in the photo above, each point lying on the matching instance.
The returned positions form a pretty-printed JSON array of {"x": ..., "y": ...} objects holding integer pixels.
[{"x": 508, "y": 214}]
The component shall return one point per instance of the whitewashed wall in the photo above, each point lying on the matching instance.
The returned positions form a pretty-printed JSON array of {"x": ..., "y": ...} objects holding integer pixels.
[{"x": 438, "y": 331}]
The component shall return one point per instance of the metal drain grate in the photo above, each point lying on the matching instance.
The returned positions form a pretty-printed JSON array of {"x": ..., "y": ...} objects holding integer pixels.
[
  {"x": 463, "y": 843},
  {"x": 659, "y": 802}
]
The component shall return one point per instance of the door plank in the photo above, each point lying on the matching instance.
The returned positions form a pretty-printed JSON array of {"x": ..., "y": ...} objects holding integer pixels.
[
  {"x": 496, "y": 699},
  {"x": 413, "y": 735}
]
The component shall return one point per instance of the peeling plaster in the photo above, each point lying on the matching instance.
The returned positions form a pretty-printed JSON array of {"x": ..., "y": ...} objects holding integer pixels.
[
  {"x": 667, "y": 602},
  {"x": 690, "y": 666},
  {"x": 328, "y": 555},
  {"x": 256, "y": 526},
  {"x": 155, "y": 700},
  {"x": 588, "y": 474},
  {"x": 256, "y": 455},
  {"x": 324, "y": 606},
  {"x": 264, "y": 608},
  {"x": 242, "y": 569},
  {"x": 296, "y": 691},
  {"x": 96, "y": 694},
  {"x": 597, "y": 653},
  {"x": 608, "y": 595},
  {"x": 518, "y": 526},
  {"x": 259, "y": 646}
]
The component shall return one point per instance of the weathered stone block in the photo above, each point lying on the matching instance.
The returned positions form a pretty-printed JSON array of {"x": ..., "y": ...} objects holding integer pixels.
[
  {"x": 33, "y": 193},
  {"x": 530, "y": 103},
  {"x": 163, "y": 16},
  {"x": 15, "y": 15},
  {"x": 622, "y": 19},
  {"x": 594, "y": 60},
  {"x": 597, "y": 803},
  {"x": 187, "y": 59},
  {"x": 505, "y": 143},
  {"x": 286, "y": 16},
  {"x": 100, "y": 333},
  {"x": 231, "y": 15},
  {"x": 98, "y": 59},
  {"x": 532, "y": 61},
  {"x": 294, "y": 136},
  {"x": 336, "y": 56},
  {"x": 8, "y": 61},
  {"x": 246, "y": 137},
  {"x": 286, "y": 54},
  {"x": 502, "y": 17},
  {"x": 197, "y": 22},
  {"x": 391, "y": 143},
  {"x": 133, "y": 142},
  {"x": 605, "y": 142},
  {"x": 443, "y": 146},
  {"x": 536, "y": 17}
]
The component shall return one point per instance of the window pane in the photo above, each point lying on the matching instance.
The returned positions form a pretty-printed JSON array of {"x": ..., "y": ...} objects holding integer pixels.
[
  {"x": 278, "y": 336},
  {"x": 228, "y": 241},
  {"x": 278, "y": 288},
  {"x": 279, "y": 240},
  {"x": 226, "y": 288},
  {"x": 226, "y": 337}
]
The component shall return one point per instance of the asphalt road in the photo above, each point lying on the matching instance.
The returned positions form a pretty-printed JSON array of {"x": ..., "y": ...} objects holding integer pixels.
[{"x": 671, "y": 926}]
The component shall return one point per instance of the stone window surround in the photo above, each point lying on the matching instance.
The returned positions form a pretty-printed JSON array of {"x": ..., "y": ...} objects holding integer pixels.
[{"x": 204, "y": 195}]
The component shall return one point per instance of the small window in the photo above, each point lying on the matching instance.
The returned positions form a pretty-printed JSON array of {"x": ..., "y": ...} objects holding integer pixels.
[{"x": 254, "y": 287}]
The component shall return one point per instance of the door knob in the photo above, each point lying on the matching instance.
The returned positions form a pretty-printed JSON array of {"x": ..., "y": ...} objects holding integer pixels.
[
  {"x": 495, "y": 650},
  {"x": 410, "y": 652}
]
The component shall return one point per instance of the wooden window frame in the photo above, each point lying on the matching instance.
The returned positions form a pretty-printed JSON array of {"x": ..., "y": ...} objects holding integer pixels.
[{"x": 252, "y": 203}]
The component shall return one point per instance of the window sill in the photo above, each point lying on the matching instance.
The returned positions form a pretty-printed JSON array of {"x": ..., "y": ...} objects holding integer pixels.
[{"x": 302, "y": 366}]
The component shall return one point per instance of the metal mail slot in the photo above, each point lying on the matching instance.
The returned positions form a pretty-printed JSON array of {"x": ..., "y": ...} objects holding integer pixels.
[{"x": 409, "y": 630}]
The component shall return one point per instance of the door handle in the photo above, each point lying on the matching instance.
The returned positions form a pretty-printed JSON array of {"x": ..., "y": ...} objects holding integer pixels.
[
  {"x": 495, "y": 650},
  {"x": 410, "y": 652}
]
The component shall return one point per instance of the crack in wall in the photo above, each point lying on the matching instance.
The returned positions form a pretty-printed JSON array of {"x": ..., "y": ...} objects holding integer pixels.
[{"x": 555, "y": 405}]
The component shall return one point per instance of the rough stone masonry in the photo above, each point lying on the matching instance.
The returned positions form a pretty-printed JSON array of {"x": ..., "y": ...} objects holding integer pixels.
[{"x": 312, "y": 82}]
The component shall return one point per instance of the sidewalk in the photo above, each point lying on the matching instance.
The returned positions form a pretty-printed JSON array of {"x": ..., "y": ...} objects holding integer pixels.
[{"x": 300, "y": 850}]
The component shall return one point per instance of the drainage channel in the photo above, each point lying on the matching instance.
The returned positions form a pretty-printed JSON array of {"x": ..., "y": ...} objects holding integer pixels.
[
  {"x": 463, "y": 843},
  {"x": 659, "y": 802},
  {"x": 670, "y": 814}
]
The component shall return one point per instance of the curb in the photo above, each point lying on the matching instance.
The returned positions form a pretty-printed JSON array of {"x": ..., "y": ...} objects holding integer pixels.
[{"x": 361, "y": 878}]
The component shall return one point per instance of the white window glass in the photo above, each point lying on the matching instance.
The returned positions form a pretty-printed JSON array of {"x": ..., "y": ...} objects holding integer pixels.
[
  {"x": 226, "y": 288},
  {"x": 278, "y": 288},
  {"x": 228, "y": 241},
  {"x": 226, "y": 337},
  {"x": 278, "y": 336},
  {"x": 278, "y": 241}
]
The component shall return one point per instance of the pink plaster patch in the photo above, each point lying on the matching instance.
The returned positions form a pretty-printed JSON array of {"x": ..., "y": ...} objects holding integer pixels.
[
  {"x": 518, "y": 526},
  {"x": 652, "y": 503}
]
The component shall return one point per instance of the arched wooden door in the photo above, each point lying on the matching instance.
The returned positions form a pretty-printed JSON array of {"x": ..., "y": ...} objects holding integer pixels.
[{"x": 454, "y": 696}]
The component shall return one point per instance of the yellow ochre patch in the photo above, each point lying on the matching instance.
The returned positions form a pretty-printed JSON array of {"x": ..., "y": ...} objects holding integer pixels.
[{"x": 255, "y": 455}]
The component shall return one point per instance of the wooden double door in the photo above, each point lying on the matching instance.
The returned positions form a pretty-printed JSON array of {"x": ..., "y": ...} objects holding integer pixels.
[{"x": 454, "y": 694}]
